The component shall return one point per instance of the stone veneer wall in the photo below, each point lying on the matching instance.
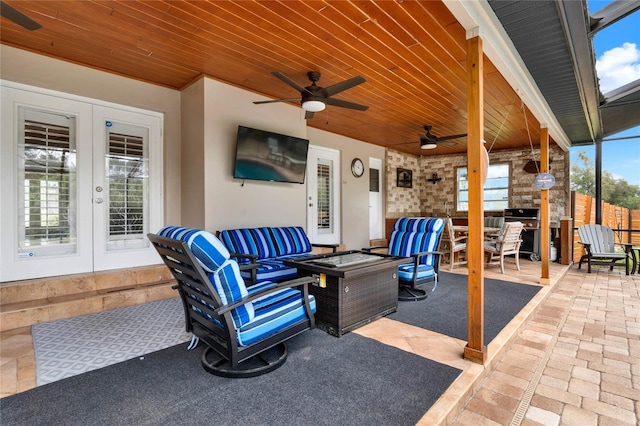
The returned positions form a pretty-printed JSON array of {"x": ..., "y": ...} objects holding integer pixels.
[
  {"x": 402, "y": 202},
  {"x": 428, "y": 199}
]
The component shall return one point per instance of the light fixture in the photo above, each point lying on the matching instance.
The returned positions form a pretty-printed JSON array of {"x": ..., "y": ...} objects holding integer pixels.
[
  {"x": 313, "y": 106},
  {"x": 428, "y": 145},
  {"x": 434, "y": 178}
]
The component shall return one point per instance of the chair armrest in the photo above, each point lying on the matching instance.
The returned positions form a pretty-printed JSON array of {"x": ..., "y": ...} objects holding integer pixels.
[
  {"x": 297, "y": 282},
  {"x": 368, "y": 249},
  {"x": 425, "y": 253},
  {"x": 331, "y": 246},
  {"x": 251, "y": 257},
  {"x": 587, "y": 247},
  {"x": 627, "y": 246},
  {"x": 253, "y": 267}
]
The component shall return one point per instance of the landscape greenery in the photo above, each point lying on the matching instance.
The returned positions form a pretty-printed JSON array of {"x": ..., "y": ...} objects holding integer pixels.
[{"x": 615, "y": 191}]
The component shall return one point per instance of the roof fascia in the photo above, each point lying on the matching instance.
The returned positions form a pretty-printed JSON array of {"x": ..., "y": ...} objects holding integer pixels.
[
  {"x": 573, "y": 15},
  {"x": 612, "y": 13},
  {"x": 478, "y": 18}
]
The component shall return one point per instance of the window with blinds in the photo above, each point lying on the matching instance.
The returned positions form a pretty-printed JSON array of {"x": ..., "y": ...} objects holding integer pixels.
[
  {"x": 127, "y": 177},
  {"x": 47, "y": 178},
  {"x": 323, "y": 199}
]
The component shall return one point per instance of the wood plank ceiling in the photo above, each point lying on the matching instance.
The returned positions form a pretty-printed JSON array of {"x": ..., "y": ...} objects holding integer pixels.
[{"x": 412, "y": 54}]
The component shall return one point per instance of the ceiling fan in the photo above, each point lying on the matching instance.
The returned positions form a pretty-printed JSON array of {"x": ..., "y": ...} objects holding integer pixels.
[
  {"x": 315, "y": 98},
  {"x": 429, "y": 141},
  {"x": 18, "y": 17}
]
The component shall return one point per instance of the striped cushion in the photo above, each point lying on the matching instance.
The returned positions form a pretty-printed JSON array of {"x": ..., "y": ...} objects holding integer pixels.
[
  {"x": 209, "y": 251},
  {"x": 419, "y": 224},
  {"x": 224, "y": 274},
  {"x": 230, "y": 287},
  {"x": 405, "y": 272},
  {"x": 291, "y": 240},
  {"x": 273, "y": 313},
  {"x": 257, "y": 241},
  {"x": 406, "y": 243},
  {"x": 271, "y": 270}
]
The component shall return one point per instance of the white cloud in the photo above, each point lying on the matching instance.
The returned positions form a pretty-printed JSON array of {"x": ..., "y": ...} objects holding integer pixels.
[{"x": 618, "y": 66}]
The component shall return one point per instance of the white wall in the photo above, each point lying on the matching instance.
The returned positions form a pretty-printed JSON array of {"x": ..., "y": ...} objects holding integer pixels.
[
  {"x": 199, "y": 185},
  {"x": 355, "y": 191},
  {"x": 228, "y": 202}
]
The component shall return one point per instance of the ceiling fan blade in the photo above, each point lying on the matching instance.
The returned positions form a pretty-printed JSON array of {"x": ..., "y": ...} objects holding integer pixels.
[
  {"x": 18, "y": 17},
  {"x": 308, "y": 115},
  {"x": 435, "y": 140},
  {"x": 345, "y": 104},
  {"x": 444, "y": 138},
  {"x": 290, "y": 82},
  {"x": 341, "y": 87},
  {"x": 276, "y": 100}
]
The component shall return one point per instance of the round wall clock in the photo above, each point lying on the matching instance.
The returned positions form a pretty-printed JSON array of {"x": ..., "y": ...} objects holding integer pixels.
[{"x": 357, "y": 167}]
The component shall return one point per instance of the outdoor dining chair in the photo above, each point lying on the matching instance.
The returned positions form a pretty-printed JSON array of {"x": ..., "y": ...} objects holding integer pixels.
[{"x": 507, "y": 243}]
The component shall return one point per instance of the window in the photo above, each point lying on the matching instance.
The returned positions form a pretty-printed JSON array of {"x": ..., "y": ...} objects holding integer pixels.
[
  {"x": 325, "y": 213},
  {"x": 47, "y": 178},
  {"x": 496, "y": 188}
]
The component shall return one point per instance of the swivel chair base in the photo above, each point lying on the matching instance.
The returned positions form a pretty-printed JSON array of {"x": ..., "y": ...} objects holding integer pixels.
[
  {"x": 261, "y": 363},
  {"x": 411, "y": 294}
]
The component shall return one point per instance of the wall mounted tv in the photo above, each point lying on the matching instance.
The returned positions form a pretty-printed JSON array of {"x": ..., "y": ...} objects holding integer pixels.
[{"x": 262, "y": 155}]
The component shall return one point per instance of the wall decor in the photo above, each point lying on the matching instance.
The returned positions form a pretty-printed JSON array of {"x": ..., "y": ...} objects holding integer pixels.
[{"x": 404, "y": 178}]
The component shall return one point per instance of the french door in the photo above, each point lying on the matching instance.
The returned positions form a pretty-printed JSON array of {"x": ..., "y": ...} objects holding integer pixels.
[
  {"x": 323, "y": 195},
  {"x": 81, "y": 185}
]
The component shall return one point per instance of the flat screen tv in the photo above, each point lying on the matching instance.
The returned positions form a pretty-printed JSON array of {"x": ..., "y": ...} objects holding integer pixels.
[{"x": 262, "y": 155}]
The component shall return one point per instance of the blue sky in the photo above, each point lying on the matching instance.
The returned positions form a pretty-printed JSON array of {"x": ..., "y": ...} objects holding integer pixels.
[{"x": 617, "y": 50}]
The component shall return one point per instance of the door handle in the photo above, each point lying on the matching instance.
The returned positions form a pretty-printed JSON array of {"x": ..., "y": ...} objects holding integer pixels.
[{"x": 98, "y": 200}]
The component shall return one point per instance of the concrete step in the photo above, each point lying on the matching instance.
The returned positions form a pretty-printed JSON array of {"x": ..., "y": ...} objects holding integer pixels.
[{"x": 28, "y": 302}]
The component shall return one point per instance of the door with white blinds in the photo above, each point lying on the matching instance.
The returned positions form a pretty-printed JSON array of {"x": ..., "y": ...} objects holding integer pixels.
[
  {"x": 75, "y": 198},
  {"x": 127, "y": 189},
  {"x": 323, "y": 195}
]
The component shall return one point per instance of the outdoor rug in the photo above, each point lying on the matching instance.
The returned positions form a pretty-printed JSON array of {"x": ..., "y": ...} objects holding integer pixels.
[
  {"x": 445, "y": 310},
  {"x": 326, "y": 380},
  {"x": 76, "y": 345}
]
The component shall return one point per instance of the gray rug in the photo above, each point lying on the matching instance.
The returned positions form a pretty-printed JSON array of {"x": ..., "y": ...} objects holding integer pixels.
[
  {"x": 72, "y": 346},
  {"x": 351, "y": 380},
  {"x": 445, "y": 310}
]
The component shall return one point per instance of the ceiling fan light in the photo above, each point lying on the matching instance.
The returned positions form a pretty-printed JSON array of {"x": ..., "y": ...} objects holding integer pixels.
[
  {"x": 428, "y": 145},
  {"x": 313, "y": 106}
]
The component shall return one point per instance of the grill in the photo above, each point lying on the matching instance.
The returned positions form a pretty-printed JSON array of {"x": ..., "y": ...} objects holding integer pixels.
[{"x": 531, "y": 237}]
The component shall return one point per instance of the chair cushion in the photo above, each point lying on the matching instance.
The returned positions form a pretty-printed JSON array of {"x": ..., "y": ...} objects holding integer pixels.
[
  {"x": 494, "y": 221},
  {"x": 224, "y": 274},
  {"x": 290, "y": 240},
  {"x": 405, "y": 272},
  {"x": 419, "y": 224},
  {"x": 209, "y": 251},
  {"x": 274, "y": 312},
  {"x": 257, "y": 241},
  {"x": 407, "y": 243},
  {"x": 231, "y": 288},
  {"x": 271, "y": 270},
  {"x": 404, "y": 243}
]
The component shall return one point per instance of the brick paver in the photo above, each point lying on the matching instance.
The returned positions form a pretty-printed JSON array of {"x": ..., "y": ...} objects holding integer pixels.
[{"x": 577, "y": 362}]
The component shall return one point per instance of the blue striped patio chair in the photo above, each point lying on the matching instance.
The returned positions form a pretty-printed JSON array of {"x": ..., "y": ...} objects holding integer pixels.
[{"x": 244, "y": 328}]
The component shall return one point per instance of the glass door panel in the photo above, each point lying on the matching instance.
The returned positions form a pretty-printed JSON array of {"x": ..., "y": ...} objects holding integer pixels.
[
  {"x": 127, "y": 193},
  {"x": 45, "y": 157}
]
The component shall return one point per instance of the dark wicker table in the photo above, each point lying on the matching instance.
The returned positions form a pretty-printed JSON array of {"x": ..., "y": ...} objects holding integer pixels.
[{"x": 352, "y": 294}]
